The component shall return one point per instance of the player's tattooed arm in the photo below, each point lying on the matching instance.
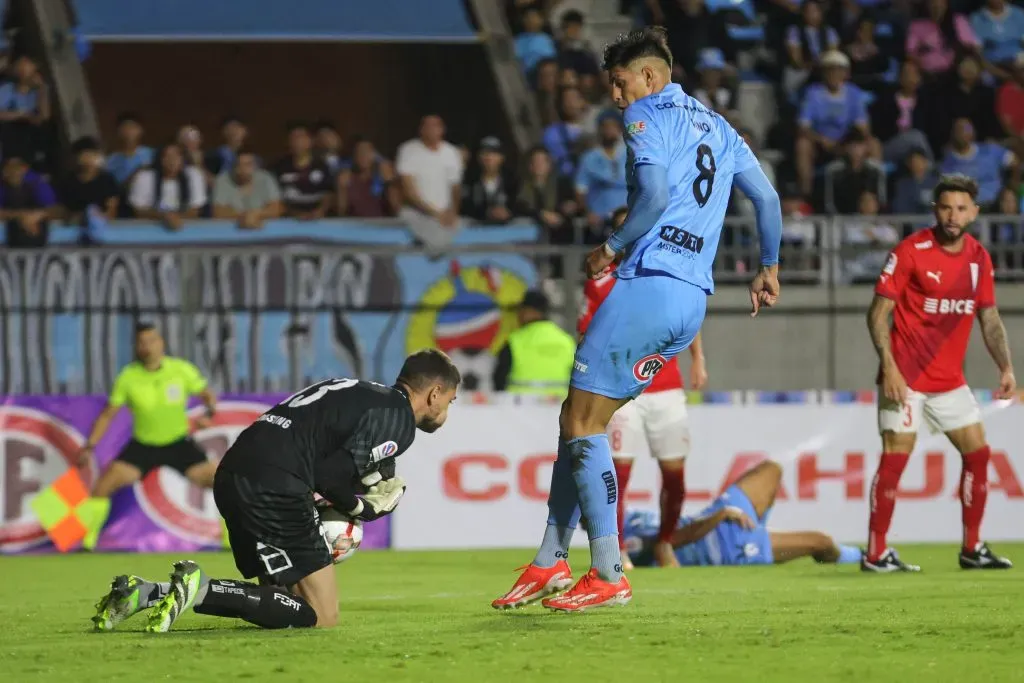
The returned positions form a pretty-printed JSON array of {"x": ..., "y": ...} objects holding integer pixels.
[
  {"x": 994, "y": 333},
  {"x": 878, "y": 326}
]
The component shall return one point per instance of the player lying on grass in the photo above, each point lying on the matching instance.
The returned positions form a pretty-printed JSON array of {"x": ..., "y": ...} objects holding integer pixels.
[
  {"x": 936, "y": 282},
  {"x": 732, "y": 531},
  {"x": 338, "y": 438}
]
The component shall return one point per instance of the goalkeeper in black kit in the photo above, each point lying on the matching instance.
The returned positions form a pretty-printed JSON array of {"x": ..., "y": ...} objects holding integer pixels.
[{"x": 338, "y": 438}]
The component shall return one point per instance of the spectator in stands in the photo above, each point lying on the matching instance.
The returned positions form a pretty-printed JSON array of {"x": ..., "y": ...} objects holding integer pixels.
[
  {"x": 713, "y": 92},
  {"x": 799, "y": 232},
  {"x": 601, "y": 179},
  {"x": 547, "y": 198},
  {"x": 233, "y": 133},
  {"x": 130, "y": 155},
  {"x": 367, "y": 188},
  {"x": 829, "y": 111},
  {"x": 191, "y": 142},
  {"x": 430, "y": 169},
  {"x": 897, "y": 119},
  {"x": 170, "y": 192},
  {"x": 306, "y": 183},
  {"x": 89, "y": 191},
  {"x": 1008, "y": 232},
  {"x": 487, "y": 192},
  {"x": 1010, "y": 107},
  {"x": 562, "y": 138},
  {"x": 983, "y": 161},
  {"x": 961, "y": 96},
  {"x": 845, "y": 16},
  {"x": 806, "y": 42},
  {"x": 25, "y": 203},
  {"x": 246, "y": 193},
  {"x": 937, "y": 38},
  {"x": 576, "y": 53},
  {"x": 327, "y": 146},
  {"x": 999, "y": 27},
  {"x": 533, "y": 44},
  {"x": 913, "y": 190},
  {"x": 25, "y": 113},
  {"x": 547, "y": 91},
  {"x": 871, "y": 239},
  {"x": 557, "y": 16},
  {"x": 847, "y": 179},
  {"x": 692, "y": 27},
  {"x": 869, "y": 64}
]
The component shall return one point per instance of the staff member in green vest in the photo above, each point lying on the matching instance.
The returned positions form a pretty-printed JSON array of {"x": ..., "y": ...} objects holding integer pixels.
[
  {"x": 156, "y": 389},
  {"x": 537, "y": 359}
]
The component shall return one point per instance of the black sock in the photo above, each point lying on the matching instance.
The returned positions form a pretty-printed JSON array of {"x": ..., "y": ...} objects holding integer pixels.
[{"x": 266, "y": 606}]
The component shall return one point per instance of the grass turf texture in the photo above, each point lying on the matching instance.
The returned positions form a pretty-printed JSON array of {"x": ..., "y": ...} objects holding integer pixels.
[{"x": 416, "y": 616}]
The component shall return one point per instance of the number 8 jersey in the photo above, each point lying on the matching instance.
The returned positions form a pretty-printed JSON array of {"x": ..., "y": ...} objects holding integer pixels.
[
  {"x": 701, "y": 153},
  {"x": 326, "y": 437}
]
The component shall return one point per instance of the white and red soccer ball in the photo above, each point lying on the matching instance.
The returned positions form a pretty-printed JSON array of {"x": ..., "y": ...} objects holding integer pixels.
[{"x": 343, "y": 534}]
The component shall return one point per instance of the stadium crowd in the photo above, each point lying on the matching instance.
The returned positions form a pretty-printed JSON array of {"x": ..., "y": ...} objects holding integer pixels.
[{"x": 874, "y": 100}]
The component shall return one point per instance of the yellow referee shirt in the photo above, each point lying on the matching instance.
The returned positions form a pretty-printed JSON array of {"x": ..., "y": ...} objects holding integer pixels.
[{"x": 158, "y": 399}]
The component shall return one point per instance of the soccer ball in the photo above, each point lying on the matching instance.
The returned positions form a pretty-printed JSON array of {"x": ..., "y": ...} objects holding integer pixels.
[{"x": 343, "y": 534}]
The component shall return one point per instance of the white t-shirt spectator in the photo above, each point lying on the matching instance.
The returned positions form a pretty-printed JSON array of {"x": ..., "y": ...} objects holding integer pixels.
[
  {"x": 143, "y": 193},
  {"x": 434, "y": 171}
]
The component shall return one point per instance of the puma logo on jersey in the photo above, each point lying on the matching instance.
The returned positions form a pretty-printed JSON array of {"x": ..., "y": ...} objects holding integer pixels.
[
  {"x": 949, "y": 306},
  {"x": 936, "y": 275}
]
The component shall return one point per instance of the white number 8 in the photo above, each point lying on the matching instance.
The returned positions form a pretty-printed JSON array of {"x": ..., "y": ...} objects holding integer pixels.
[{"x": 297, "y": 400}]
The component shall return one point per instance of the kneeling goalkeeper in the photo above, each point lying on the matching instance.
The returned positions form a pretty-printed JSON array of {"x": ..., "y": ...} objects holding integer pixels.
[{"x": 337, "y": 438}]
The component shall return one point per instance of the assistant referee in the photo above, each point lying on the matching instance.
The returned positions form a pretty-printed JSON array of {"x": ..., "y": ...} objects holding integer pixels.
[{"x": 156, "y": 389}]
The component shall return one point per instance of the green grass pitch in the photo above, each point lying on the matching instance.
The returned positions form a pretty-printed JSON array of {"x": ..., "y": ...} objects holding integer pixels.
[{"x": 425, "y": 616}]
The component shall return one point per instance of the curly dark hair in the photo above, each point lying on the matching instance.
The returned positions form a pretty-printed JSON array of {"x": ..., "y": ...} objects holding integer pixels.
[
  {"x": 645, "y": 42},
  {"x": 956, "y": 182}
]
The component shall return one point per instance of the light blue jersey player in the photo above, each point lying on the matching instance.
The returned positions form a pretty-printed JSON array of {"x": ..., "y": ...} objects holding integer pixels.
[
  {"x": 733, "y": 530},
  {"x": 681, "y": 164}
]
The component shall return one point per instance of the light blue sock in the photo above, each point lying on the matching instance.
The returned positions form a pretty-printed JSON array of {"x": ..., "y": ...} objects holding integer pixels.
[
  {"x": 849, "y": 555},
  {"x": 563, "y": 512},
  {"x": 598, "y": 492}
]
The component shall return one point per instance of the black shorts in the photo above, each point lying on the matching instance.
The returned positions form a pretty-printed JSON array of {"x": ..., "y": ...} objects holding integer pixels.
[
  {"x": 179, "y": 455},
  {"x": 274, "y": 529}
]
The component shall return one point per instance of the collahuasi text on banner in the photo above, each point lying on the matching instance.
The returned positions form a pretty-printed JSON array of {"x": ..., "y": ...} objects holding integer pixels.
[
  {"x": 483, "y": 479},
  {"x": 40, "y": 438}
]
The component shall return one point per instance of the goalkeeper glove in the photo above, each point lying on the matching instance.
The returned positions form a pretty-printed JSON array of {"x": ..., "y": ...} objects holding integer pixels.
[{"x": 379, "y": 500}]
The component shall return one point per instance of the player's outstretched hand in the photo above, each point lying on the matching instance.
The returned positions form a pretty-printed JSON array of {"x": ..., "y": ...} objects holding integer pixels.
[
  {"x": 1007, "y": 385},
  {"x": 764, "y": 289},
  {"x": 894, "y": 387},
  {"x": 600, "y": 261}
]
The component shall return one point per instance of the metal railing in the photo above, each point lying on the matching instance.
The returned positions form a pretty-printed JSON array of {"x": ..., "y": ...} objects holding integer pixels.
[{"x": 257, "y": 318}]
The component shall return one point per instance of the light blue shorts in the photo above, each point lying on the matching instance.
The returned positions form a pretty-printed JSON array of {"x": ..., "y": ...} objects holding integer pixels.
[{"x": 643, "y": 324}]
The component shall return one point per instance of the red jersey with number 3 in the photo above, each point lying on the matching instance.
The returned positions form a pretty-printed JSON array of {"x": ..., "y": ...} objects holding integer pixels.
[
  {"x": 596, "y": 291},
  {"x": 938, "y": 294}
]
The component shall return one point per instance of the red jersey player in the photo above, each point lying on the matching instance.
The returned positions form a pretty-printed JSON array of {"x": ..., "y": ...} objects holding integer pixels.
[
  {"x": 935, "y": 282},
  {"x": 658, "y": 418}
]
